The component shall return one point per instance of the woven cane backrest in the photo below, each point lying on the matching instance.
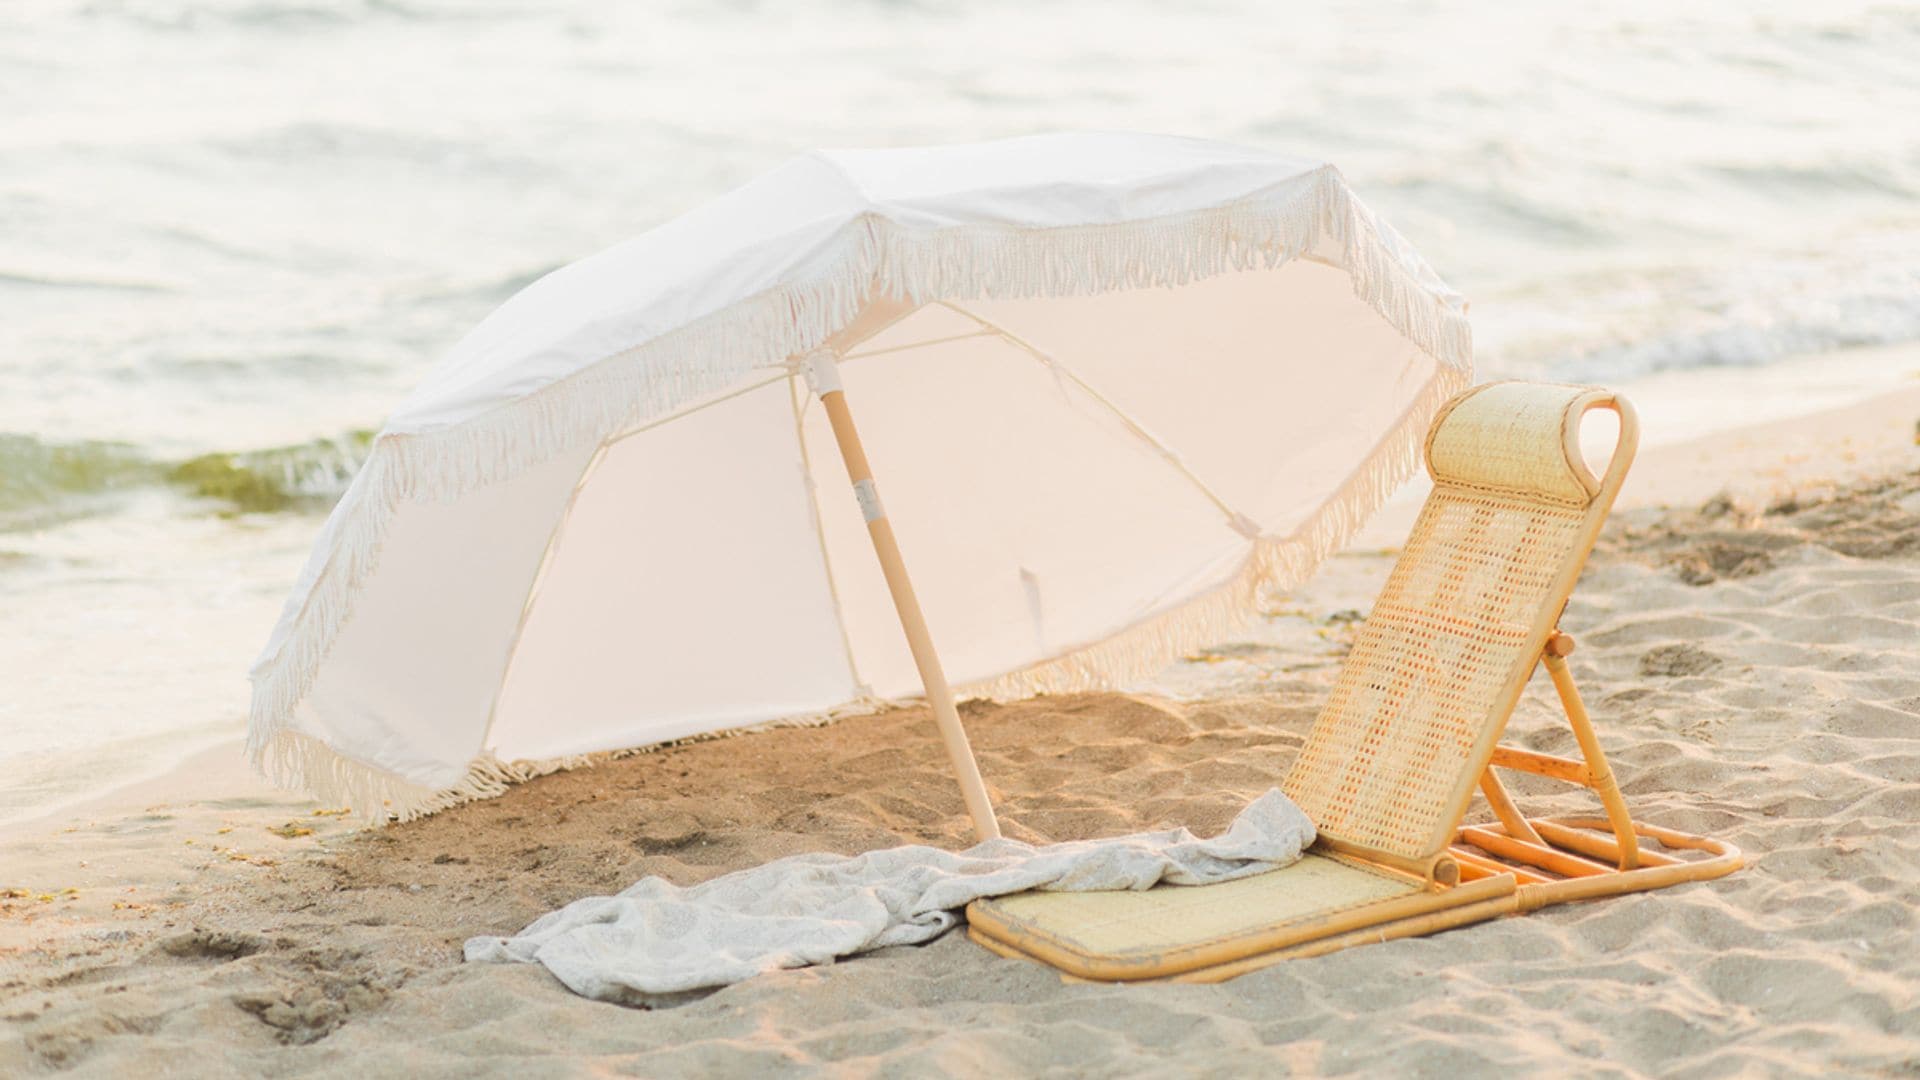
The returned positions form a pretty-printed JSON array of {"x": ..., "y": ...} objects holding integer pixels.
[{"x": 1435, "y": 669}]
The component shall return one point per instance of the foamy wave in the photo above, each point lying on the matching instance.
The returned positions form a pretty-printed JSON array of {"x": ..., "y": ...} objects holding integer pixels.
[
  {"x": 1747, "y": 316},
  {"x": 1750, "y": 339}
]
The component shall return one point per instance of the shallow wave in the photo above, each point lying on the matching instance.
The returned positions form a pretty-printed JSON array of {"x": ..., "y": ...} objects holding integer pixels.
[
  {"x": 368, "y": 145},
  {"x": 10, "y": 279},
  {"x": 42, "y": 482},
  {"x": 1477, "y": 203},
  {"x": 268, "y": 14},
  {"x": 1820, "y": 178}
]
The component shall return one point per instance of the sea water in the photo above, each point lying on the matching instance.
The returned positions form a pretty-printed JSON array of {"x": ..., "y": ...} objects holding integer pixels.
[{"x": 234, "y": 232}]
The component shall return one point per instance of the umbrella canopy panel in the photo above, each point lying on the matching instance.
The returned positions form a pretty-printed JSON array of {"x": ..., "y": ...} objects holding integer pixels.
[
  {"x": 1093, "y": 446},
  {"x": 1058, "y": 472}
]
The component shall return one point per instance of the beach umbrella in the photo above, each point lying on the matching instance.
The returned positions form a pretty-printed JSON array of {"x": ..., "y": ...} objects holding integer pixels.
[{"x": 1108, "y": 389}]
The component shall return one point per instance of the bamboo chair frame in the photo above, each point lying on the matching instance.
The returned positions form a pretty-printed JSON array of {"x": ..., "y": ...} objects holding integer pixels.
[{"x": 1460, "y": 875}]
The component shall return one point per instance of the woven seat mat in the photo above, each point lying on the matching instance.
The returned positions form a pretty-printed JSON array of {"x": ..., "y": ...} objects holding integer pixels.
[{"x": 1170, "y": 919}]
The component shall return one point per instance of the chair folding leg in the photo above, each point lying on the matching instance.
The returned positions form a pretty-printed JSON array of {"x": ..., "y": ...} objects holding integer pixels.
[
  {"x": 1504, "y": 808},
  {"x": 1577, "y": 853},
  {"x": 1599, "y": 776}
]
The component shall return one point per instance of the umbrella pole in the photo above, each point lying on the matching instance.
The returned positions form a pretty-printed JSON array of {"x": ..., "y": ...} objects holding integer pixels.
[{"x": 823, "y": 375}]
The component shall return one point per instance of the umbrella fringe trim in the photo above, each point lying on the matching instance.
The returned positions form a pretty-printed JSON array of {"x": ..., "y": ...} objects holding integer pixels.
[
  {"x": 377, "y": 796},
  {"x": 710, "y": 354}
]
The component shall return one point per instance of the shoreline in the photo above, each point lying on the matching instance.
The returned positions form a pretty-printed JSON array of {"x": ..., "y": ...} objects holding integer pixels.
[{"x": 209, "y": 767}]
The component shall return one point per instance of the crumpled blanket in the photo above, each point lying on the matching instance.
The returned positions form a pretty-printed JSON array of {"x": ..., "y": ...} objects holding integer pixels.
[{"x": 656, "y": 941}]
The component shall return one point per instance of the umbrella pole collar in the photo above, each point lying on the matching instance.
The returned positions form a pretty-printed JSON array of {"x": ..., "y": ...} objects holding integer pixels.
[{"x": 822, "y": 371}]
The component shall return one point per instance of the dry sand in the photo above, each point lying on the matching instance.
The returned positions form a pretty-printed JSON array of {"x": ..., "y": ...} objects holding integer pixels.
[{"x": 1755, "y": 673}]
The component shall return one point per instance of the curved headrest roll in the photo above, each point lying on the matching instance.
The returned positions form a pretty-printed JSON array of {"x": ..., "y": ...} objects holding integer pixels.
[{"x": 1519, "y": 437}]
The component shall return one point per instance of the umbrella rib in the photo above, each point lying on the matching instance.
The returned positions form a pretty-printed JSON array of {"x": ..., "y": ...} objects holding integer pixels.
[
  {"x": 860, "y": 687},
  {"x": 1236, "y": 520},
  {"x": 566, "y": 514},
  {"x": 533, "y": 588},
  {"x": 920, "y": 344}
]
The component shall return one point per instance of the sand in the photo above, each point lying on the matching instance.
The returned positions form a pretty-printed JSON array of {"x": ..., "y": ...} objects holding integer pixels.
[{"x": 1753, "y": 664}]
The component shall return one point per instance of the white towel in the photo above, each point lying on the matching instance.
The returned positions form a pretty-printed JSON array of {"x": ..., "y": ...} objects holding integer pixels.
[{"x": 657, "y": 939}]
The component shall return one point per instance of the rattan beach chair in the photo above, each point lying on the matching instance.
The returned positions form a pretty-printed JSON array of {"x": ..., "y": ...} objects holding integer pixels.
[{"x": 1411, "y": 729}]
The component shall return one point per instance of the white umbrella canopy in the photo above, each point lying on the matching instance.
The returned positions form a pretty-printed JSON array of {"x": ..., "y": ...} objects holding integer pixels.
[{"x": 1111, "y": 386}]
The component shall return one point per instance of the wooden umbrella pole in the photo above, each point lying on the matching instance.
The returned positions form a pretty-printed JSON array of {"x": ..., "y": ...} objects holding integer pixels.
[{"x": 823, "y": 375}]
